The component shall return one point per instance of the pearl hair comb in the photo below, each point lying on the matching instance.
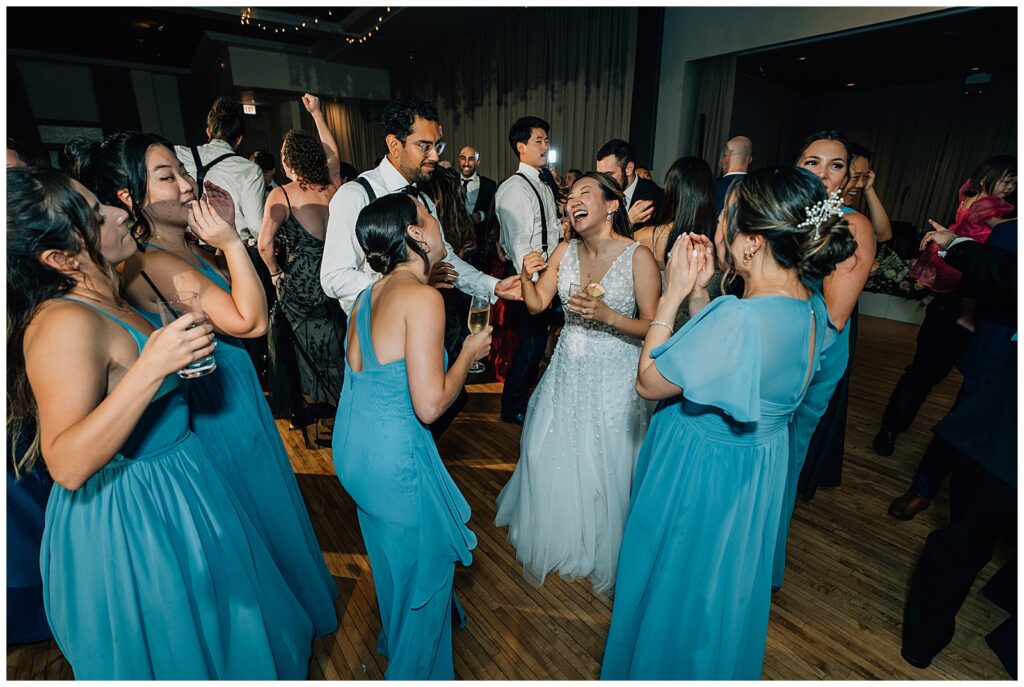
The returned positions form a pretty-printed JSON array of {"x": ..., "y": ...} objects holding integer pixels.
[{"x": 820, "y": 212}]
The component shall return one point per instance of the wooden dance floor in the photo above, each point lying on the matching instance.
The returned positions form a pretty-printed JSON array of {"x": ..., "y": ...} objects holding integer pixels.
[{"x": 838, "y": 615}]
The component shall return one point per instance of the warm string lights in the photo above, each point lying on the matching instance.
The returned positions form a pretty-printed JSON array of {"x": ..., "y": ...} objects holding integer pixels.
[{"x": 246, "y": 19}]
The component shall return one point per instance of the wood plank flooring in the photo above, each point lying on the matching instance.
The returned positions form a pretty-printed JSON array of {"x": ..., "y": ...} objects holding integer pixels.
[{"x": 838, "y": 615}]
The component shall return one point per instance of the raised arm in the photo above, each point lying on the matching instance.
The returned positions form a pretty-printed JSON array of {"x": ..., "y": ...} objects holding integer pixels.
[
  {"x": 82, "y": 426},
  {"x": 274, "y": 215},
  {"x": 876, "y": 211},
  {"x": 538, "y": 294},
  {"x": 432, "y": 389},
  {"x": 842, "y": 287},
  {"x": 312, "y": 104}
]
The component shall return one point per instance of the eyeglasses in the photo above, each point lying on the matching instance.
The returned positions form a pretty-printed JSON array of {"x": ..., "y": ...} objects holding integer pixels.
[{"x": 427, "y": 147}]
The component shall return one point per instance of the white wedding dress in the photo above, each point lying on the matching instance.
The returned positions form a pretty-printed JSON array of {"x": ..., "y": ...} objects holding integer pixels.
[{"x": 566, "y": 503}]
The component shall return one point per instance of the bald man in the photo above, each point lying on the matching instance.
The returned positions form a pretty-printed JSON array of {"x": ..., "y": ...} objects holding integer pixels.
[
  {"x": 479, "y": 192},
  {"x": 736, "y": 158}
]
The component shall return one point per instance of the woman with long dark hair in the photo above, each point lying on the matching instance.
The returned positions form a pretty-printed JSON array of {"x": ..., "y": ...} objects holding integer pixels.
[
  {"x": 567, "y": 499},
  {"x": 411, "y": 514},
  {"x": 307, "y": 345},
  {"x": 694, "y": 588},
  {"x": 818, "y": 431},
  {"x": 151, "y": 569},
  {"x": 139, "y": 173}
]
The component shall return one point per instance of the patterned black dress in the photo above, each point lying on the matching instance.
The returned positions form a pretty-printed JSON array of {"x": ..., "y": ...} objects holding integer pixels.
[{"x": 307, "y": 326}]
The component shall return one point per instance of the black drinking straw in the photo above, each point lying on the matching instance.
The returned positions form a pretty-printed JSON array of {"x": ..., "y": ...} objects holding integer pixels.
[{"x": 158, "y": 294}]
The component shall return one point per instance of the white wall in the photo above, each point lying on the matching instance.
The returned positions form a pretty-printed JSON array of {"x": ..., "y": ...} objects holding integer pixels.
[
  {"x": 279, "y": 71},
  {"x": 696, "y": 33}
]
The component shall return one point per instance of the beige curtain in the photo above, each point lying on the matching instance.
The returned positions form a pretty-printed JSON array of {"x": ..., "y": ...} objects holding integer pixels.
[
  {"x": 571, "y": 67},
  {"x": 356, "y": 127},
  {"x": 714, "y": 108}
]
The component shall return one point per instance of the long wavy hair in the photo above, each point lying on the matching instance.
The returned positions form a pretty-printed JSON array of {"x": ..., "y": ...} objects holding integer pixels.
[
  {"x": 304, "y": 154},
  {"x": 44, "y": 212},
  {"x": 445, "y": 190}
]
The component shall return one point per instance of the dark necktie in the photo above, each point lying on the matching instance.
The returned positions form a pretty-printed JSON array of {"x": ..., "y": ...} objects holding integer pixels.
[{"x": 465, "y": 184}]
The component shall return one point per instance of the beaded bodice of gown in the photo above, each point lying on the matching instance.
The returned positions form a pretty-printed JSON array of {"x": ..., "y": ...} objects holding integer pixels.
[{"x": 617, "y": 283}]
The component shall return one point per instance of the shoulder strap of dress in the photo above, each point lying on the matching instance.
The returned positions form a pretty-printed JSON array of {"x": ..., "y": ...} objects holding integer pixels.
[
  {"x": 286, "y": 200},
  {"x": 140, "y": 338},
  {"x": 363, "y": 328}
]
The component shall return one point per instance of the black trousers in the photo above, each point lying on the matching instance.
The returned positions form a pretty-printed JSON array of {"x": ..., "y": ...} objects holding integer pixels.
[
  {"x": 982, "y": 508},
  {"x": 522, "y": 373},
  {"x": 940, "y": 342}
]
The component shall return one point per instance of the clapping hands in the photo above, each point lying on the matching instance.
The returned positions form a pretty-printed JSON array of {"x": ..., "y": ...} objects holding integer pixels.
[{"x": 690, "y": 264}]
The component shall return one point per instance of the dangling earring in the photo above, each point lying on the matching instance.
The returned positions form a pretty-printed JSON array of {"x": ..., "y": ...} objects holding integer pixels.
[
  {"x": 747, "y": 257},
  {"x": 423, "y": 247},
  {"x": 608, "y": 217}
]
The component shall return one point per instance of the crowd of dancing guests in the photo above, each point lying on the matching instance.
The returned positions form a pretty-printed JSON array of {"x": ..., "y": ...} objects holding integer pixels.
[{"x": 705, "y": 332}]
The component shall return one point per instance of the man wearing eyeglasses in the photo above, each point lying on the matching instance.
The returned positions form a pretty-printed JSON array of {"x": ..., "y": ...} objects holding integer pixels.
[{"x": 412, "y": 134}]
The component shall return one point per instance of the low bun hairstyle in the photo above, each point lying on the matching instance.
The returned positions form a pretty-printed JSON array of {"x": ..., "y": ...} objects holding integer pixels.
[
  {"x": 773, "y": 203},
  {"x": 381, "y": 232}
]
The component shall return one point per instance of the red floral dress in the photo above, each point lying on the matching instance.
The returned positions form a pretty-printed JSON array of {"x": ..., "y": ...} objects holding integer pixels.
[{"x": 932, "y": 271}]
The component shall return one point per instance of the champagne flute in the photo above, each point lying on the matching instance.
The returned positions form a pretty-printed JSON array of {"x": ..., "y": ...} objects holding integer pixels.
[{"x": 479, "y": 318}]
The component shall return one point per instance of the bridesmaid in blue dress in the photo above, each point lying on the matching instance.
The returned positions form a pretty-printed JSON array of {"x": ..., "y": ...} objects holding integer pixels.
[
  {"x": 694, "y": 586},
  {"x": 412, "y": 516},
  {"x": 150, "y": 567},
  {"x": 228, "y": 410},
  {"x": 825, "y": 154}
]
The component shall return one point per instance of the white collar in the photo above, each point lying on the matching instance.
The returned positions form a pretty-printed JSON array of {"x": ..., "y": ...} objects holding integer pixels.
[
  {"x": 392, "y": 178},
  {"x": 631, "y": 189},
  {"x": 532, "y": 172},
  {"x": 475, "y": 175}
]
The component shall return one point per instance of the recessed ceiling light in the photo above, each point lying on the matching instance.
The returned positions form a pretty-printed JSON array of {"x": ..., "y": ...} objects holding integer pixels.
[
  {"x": 801, "y": 59},
  {"x": 850, "y": 85},
  {"x": 974, "y": 69}
]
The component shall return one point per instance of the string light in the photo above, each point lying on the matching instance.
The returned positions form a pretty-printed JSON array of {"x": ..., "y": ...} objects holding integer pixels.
[{"x": 246, "y": 19}]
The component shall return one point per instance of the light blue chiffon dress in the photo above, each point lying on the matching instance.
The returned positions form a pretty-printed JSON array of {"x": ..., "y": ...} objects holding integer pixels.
[
  {"x": 412, "y": 516},
  {"x": 231, "y": 417},
  {"x": 152, "y": 569},
  {"x": 694, "y": 585}
]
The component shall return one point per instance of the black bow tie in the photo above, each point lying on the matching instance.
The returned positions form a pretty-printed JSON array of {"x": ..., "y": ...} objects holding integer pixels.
[
  {"x": 411, "y": 190},
  {"x": 546, "y": 177}
]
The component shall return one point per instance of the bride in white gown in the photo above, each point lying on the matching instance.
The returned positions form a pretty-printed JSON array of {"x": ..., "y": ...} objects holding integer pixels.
[{"x": 566, "y": 503}]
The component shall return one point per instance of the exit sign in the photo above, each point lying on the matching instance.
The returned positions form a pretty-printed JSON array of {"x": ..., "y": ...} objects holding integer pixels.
[{"x": 249, "y": 109}]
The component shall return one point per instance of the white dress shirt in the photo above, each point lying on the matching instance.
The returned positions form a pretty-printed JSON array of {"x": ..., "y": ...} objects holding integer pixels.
[
  {"x": 242, "y": 179},
  {"x": 519, "y": 215},
  {"x": 344, "y": 272},
  {"x": 472, "y": 192},
  {"x": 630, "y": 190}
]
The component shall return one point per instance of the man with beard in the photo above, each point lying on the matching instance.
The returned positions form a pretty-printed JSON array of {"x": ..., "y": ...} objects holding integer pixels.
[{"x": 479, "y": 196}]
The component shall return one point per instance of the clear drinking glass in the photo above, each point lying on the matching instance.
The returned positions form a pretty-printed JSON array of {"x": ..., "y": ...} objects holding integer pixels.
[
  {"x": 180, "y": 303},
  {"x": 574, "y": 289},
  {"x": 479, "y": 318}
]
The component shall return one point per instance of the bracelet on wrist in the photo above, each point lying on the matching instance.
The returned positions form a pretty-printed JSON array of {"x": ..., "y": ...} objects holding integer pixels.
[
  {"x": 666, "y": 325},
  {"x": 276, "y": 274}
]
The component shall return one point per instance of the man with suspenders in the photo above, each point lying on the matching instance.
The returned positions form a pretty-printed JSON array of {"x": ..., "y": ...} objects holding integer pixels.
[
  {"x": 412, "y": 135},
  {"x": 528, "y": 216}
]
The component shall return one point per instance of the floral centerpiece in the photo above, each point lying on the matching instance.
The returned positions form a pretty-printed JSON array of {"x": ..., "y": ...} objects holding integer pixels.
[{"x": 892, "y": 276}]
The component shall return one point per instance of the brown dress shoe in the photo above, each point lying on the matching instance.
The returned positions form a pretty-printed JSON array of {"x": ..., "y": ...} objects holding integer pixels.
[{"x": 908, "y": 505}]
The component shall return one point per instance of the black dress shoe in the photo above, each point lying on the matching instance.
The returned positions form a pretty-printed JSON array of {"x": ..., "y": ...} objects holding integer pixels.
[
  {"x": 518, "y": 419},
  {"x": 914, "y": 660},
  {"x": 884, "y": 442}
]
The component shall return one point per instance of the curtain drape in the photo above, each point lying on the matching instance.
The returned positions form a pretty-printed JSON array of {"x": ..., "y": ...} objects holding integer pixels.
[
  {"x": 714, "y": 108},
  {"x": 570, "y": 67},
  {"x": 356, "y": 128}
]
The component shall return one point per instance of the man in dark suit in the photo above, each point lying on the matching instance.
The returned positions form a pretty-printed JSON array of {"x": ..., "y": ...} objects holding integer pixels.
[
  {"x": 617, "y": 159},
  {"x": 479, "y": 196},
  {"x": 981, "y": 433},
  {"x": 735, "y": 160}
]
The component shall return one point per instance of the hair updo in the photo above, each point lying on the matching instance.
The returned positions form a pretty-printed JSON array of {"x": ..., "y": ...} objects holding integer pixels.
[
  {"x": 773, "y": 204},
  {"x": 381, "y": 232}
]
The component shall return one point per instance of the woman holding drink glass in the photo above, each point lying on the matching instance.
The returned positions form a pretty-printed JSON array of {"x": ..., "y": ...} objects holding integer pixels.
[
  {"x": 150, "y": 567},
  {"x": 412, "y": 516},
  {"x": 567, "y": 500},
  {"x": 140, "y": 173}
]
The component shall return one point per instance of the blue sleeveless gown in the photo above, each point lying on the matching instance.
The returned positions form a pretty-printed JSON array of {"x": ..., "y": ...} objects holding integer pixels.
[
  {"x": 151, "y": 570},
  {"x": 411, "y": 514},
  {"x": 231, "y": 417},
  {"x": 694, "y": 585}
]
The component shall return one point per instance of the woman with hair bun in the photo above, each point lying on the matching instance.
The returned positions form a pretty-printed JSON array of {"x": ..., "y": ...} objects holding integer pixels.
[
  {"x": 151, "y": 569},
  {"x": 295, "y": 216},
  {"x": 411, "y": 514},
  {"x": 694, "y": 586}
]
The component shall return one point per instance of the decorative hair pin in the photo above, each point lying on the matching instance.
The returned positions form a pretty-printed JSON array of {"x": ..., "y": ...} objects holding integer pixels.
[{"x": 821, "y": 212}]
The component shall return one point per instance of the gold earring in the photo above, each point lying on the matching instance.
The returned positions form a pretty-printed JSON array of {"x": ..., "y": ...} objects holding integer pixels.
[
  {"x": 747, "y": 257},
  {"x": 424, "y": 246}
]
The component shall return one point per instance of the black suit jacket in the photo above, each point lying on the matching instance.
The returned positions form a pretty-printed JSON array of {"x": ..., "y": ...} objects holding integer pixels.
[
  {"x": 485, "y": 198},
  {"x": 722, "y": 187},
  {"x": 647, "y": 190},
  {"x": 984, "y": 425}
]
